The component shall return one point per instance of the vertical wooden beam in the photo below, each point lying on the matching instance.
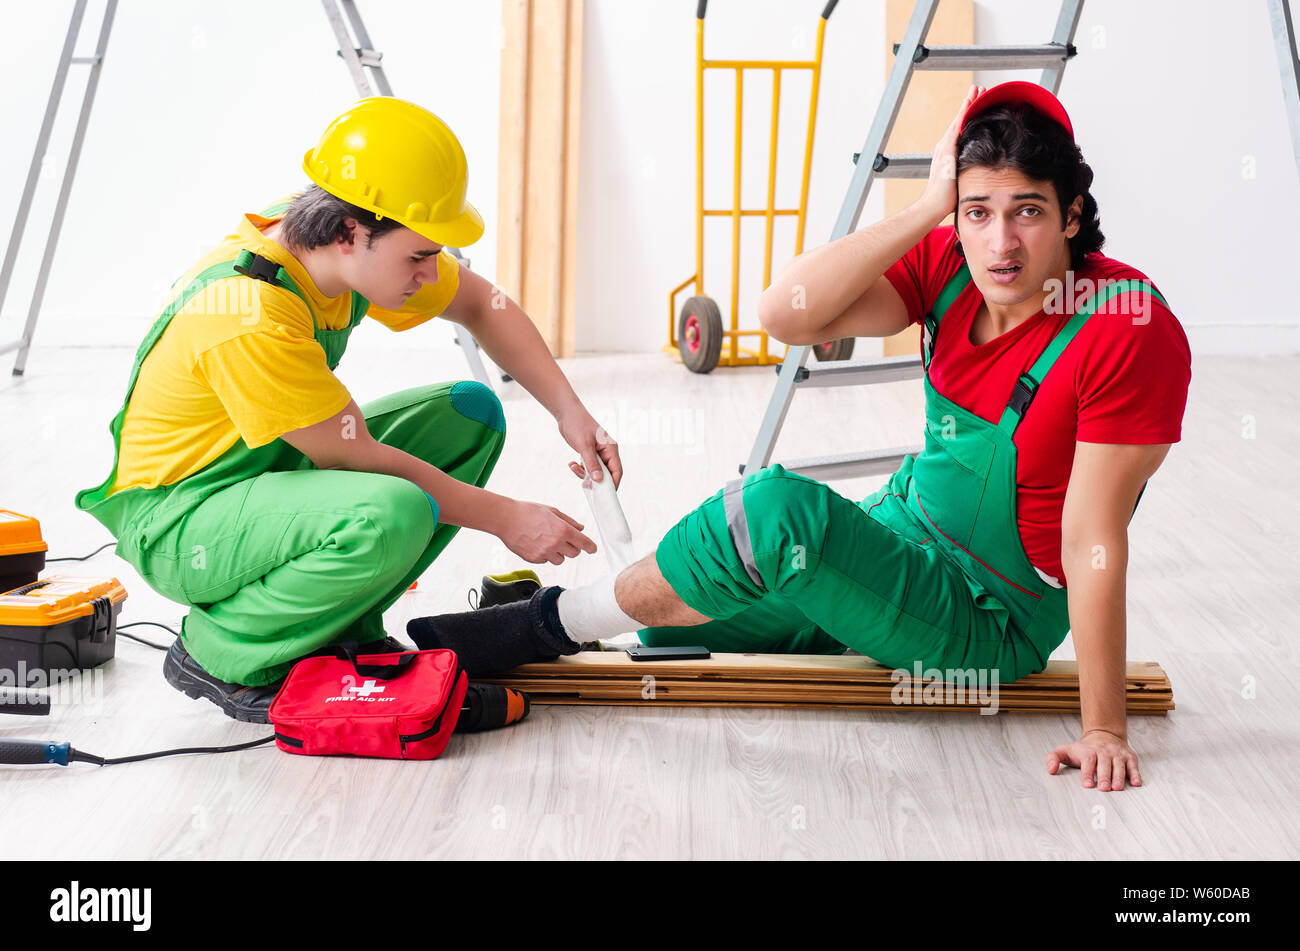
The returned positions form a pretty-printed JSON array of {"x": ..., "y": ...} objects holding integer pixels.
[
  {"x": 931, "y": 101},
  {"x": 512, "y": 146},
  {"x": 540, "y": 96},
  {"x": 572, "y": 131}
]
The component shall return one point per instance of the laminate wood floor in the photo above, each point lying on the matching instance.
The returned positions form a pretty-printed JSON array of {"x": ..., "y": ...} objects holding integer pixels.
[{"x": 1214, "y": 597}]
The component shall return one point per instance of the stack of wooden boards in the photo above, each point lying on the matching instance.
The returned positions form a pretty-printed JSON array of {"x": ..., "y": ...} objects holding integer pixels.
[{"x": 812, "y": 680}]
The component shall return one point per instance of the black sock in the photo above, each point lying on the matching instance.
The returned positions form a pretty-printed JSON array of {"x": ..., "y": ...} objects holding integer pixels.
[{"x": 499, "y": 637}]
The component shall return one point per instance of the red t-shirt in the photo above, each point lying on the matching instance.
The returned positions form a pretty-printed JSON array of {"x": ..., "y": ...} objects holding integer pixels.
[{"x": 1122, "y": 379}]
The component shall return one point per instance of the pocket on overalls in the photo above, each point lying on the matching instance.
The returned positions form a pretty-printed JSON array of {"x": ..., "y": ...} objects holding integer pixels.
[
  {"x": 1050, "y": 623},
  {"x": 950, "y": 480}
]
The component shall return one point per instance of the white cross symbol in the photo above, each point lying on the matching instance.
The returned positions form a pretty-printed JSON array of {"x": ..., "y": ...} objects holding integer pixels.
[{"x": 367, "y": 688}]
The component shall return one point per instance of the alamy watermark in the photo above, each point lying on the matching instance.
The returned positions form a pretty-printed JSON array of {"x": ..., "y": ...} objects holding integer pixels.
[
  {"x": 78, "y": 903},
  {"x": 1068, "y": 296},
  {"x": 934, "y": 687},
  {"x": 638, "y": 426},
  {"x": 23, "y": 686}
]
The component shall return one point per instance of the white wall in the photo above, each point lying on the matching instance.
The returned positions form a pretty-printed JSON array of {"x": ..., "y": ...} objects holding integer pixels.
[
  {"x": 194, "y": 124},
  {"x": 204, "y": 111},
  {"x": 1170, "y": 102}
]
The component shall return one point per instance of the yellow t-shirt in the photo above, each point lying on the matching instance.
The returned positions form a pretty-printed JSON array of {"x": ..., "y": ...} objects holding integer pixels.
[{"x": 240, "y": 361}]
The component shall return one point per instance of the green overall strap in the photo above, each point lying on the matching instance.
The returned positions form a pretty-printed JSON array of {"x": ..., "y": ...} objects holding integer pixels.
[
  {"x": 1023, "y": 392},
  {"x": 1027, "y": 385},
  {"x": 277, "y": 210},
  {"x": 264, "y": 269},
  {"x": 956, "y": 284},
  {"x": 216, "y": 272},
  {"x": 359, "y": 307}
]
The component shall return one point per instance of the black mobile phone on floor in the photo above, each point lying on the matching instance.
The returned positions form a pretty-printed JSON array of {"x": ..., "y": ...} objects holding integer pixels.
[{"x": 668, "y": 653}]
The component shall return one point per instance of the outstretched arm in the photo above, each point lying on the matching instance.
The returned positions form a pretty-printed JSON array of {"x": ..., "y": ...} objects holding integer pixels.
[
  {"x": 511, "y": 340},
  {"x": 1104, "y": 485}
]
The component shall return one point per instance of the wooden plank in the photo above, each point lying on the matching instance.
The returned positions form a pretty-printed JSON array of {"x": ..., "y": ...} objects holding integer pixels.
[
  {"x": 513, "y": 146},
  {"x": 1135, "y": 693},
  {"x": 853, "y": 680},
  {"x": 541, "y": 87},
  {"x": 798, "y": 691},
  {"x": 543, "y": 195},
  {"x": 736, "y": 693},
  {"x": 578, "y": 702},
  {"x": 566, "y": 314},
  {"x": 826, "y": 667}
]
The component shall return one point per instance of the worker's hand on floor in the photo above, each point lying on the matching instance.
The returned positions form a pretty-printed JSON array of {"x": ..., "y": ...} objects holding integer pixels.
[
  {"x": 538, "y": 533},
  {"x": 589, "y": 439},
  {"x": 1105, "y": 755}
]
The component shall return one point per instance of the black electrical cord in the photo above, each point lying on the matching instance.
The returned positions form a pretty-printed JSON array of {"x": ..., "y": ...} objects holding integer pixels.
[
  {"x": 141, "y": 640},
  {"x": 83, "y": 557},
  {"x": 77, "y": 756}
]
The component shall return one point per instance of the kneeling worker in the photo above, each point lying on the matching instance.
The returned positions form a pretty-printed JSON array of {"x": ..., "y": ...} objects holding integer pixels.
[
  {"x": 248, "y": 484},
  {"x": 1046, "y": 414}
]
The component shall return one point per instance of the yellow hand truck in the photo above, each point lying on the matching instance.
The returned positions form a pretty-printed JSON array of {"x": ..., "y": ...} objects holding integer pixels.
[{"x": 695, "y": 333}]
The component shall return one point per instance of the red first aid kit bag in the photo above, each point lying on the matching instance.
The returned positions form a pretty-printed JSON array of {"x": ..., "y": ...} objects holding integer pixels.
[{"x": 400, "y": 706}]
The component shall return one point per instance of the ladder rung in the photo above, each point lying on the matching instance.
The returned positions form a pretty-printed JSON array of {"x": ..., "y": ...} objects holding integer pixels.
[
  {"x": 1045, "y": 56},
  {"x": 91, "y": 60},
  {"x": 859, "y": 372},
  {"x": 365, "y": 57},
  {"x": 850, "y": 464},
  {"x": 754, "y": 212},
  {"x": 901, "y": 165}
]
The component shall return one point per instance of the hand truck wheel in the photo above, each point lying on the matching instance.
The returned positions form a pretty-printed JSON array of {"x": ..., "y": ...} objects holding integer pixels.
[
  {"x": 834, "y": 349},
  {"x": 699, "y": 334}
]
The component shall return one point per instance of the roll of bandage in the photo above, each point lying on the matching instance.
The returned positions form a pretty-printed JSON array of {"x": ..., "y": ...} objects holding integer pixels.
[{"x": 611, "y": 523}]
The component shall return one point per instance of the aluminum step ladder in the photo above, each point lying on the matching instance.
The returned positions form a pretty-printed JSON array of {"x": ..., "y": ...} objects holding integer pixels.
[
  {"x": 359, "y": 56},
  {"x": 909, "y": 55},
  {"x": 364, "y": 62},
  {"x": 66, "y": 60},
  {"x": 1279, "y": 17}
]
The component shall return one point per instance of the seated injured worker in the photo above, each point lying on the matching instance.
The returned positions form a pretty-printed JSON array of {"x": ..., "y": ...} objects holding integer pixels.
[
  {"x": 248, "y": 483},
  {"x": 1056, "y": 380}
]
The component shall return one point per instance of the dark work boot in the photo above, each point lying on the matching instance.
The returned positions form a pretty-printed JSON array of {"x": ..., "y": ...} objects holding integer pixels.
[
  {"x": 249, "y": 704},
  {"x": 498, "y": 638},
  {"x": 505, "y": 588}
]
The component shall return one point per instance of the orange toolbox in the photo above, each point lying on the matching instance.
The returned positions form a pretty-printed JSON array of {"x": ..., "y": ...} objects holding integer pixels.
[
  {"x": 61, "y": 622},
  {"x": 22, "y": 550}
]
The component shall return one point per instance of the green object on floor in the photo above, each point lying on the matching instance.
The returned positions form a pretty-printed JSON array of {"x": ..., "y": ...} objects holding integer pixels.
[
  {"x": 929, "y": 569},
  {"x": 278, "y": 558}
]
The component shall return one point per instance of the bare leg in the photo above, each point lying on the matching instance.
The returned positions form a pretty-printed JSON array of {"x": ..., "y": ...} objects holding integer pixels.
[{"x": 643, "y": 594}]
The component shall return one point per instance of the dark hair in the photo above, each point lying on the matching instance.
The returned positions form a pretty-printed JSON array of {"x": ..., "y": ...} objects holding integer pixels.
[
  {"x": 1019, "y": 137},
  {"x": 315, "y": 218}
]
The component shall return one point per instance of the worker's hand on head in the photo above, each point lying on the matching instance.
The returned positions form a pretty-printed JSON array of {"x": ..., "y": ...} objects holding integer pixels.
[
  {"x": 1097, "y": 753},
  {"x": 586, "y": 437},
  {"x": 942, "y": 187},
  {"x": 538, "y": 533}
]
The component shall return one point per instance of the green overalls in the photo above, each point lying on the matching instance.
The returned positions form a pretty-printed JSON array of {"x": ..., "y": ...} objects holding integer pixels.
[
  {"x": 276, "y": 557},
  {"x": 930, "y": 568}
]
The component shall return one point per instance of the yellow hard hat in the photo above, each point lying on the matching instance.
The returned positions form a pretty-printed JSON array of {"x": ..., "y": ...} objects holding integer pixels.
[{"x": 399, "y": 161}]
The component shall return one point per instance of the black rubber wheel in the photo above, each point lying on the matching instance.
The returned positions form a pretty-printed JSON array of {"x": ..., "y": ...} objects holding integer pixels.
[
  {"x": 834, "y": 349},
  {"x": 699, "y": 334}
]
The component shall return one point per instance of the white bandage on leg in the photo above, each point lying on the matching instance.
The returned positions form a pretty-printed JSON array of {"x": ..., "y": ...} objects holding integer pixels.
[
  {"x": 592, "y": 612},
  {"x": 611, "y": 523}
]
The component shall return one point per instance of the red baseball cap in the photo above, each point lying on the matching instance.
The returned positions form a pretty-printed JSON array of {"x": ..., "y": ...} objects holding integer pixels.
[{"x": 1031, "y": 94}]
